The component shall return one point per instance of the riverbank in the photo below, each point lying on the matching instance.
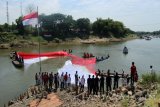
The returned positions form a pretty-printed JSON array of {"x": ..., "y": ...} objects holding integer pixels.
[
  {"x": 30, "y": 41},
  {"x": 122, "y": 97},
  {"x": 144, "y": 93}
]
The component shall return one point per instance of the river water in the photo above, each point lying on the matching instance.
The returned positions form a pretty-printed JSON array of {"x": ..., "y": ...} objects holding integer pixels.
[{"x": 15, "y": 81}]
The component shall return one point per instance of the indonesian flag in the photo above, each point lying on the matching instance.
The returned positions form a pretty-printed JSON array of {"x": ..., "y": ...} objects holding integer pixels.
[
  {"x": 30, "y": 19},
  {"x": 30, "y": 58},
  {"x": 83, "y": 66}
]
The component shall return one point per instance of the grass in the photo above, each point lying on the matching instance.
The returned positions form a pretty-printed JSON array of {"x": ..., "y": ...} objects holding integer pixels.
[
  {"x": 154, "y": 100},
  {"x": 148, "y": 79},
  {"x": 125, "y": 102}
]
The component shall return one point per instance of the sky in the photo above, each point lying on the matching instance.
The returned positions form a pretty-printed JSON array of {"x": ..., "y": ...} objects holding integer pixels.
[{"x": 138, "y": 15}]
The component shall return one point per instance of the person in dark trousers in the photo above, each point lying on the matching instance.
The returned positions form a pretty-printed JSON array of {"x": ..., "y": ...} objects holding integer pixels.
[
  {"x": 108, "y": 81},
  {"x": 36, "y": 78},
  {"x": 128, "y": 79},
  {"x": 76, "y": 78},
  {"x": 62, "y": 81},
  {"x": 56, "y": 81},
  {"x": 50, "y": 81},
  {"x": 89, "y": 84},
  {"x": 116, "y": 78},
  {"x": 65, "y": 80},
  {"x": 102, "y": 84},
  {"x": 96, "y": 80},
  {"x": 82, "y": 84},
  {"x": 46, "y": 81},
  {"x": 133, "y": 71},
  {"x": 92, "y": 85},
  {"x": 136, "y": 77}
]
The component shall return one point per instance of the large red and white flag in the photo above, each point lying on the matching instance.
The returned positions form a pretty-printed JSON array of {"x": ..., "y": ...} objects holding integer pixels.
[
  {"x": 83, "y": 66},
  {"x": 30, "y": 19}
]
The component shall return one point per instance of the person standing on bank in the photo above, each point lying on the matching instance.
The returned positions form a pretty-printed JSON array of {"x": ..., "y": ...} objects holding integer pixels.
[
  {"x": 96, "y": 85},
  {"x": 116, "y": 78},
  {"x": 108, "y": 81},
  {"x": 133, "y": 71},
  {"x": 65, "y": 80},
  {"x": 62, "y": 81},
  {"x": 56, "y": 81},
  {"x": 89, "y": 84},
  {"x": 50, "y": 81},
  {"x": 69, "y": 81},
  {"x": 152, "y": 73},
  {"x": 36, "y": 78},
  {"x": 82, "y": 84},
  {"x": 92, "y": 89},
  {"x": 102, "y": 84},
  {"x": 76, "y": 78}
]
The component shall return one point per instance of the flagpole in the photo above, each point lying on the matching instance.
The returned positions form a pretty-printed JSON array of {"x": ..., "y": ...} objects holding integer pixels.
[{"x": 39, "y": 41}]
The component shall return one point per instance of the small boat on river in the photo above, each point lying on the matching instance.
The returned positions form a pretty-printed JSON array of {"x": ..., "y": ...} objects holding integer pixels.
[
  {"x": 125, "y": 50},
  {"x": 17, "y": 64},
  {"x": 148, "y": 38},
  {"x": 102, "y": 58}
]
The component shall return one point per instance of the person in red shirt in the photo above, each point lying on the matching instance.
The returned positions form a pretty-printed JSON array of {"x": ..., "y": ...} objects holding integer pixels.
[
  {"x": 65, "y": 80},
  {"x": 133, "y": 71},
  {"x": 136, "y": 77}
]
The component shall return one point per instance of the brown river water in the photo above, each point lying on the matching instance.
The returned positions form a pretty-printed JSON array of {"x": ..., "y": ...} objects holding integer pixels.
[{"x": 14, "y": 81}]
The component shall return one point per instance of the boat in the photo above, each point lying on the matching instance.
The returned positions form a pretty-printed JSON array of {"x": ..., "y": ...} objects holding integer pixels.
[
  {"x": 102, "y": 58},
  {"x": 17, "y": 64},
  {"x": 125, "y": 50},
  {"x": 148, "y": 38},
  {"x": 87, "y": 57}
]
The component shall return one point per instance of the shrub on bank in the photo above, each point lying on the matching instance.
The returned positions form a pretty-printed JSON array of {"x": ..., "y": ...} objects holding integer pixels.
[{"x": 149, "y": 78}]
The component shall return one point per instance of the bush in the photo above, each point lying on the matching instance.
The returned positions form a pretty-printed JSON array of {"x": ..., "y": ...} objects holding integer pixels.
[{"x": 147, "y": 79}]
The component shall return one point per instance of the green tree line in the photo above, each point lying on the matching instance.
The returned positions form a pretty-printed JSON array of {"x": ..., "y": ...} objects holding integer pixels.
[
  {"x": 64, "y": 26},
  {"x": 148, "y": 33}
]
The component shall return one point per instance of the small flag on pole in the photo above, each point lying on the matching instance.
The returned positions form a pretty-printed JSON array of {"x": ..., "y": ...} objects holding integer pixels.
[{"x": 30, "y": 19}]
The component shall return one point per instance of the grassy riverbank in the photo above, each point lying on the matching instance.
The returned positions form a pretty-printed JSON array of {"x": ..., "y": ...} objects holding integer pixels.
[{"x": 9, "y": 40}]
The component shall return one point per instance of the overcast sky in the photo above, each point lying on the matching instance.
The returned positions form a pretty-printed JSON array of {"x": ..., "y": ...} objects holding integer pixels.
[{"x": 138, "y": 15}]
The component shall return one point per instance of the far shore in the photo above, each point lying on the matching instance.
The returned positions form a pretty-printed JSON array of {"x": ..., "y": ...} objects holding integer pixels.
[{"x": 20, "y": 43}]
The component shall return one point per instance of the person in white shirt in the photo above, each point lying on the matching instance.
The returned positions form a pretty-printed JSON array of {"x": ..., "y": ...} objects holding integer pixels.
[
  {"x": 82, "y": 84},
  {"x": 69, "y": 81},
  {"x": 124, "y": 79},
  {"x": 151, "y": 69},
  {"x": 152, "y": 73}
]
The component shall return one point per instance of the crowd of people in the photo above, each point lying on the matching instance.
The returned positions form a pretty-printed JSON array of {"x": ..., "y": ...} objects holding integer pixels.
[
  {"x": 87, "y": 55},
  {"x": 69, "y": 50},
  {"x": 101, "y": 82}
]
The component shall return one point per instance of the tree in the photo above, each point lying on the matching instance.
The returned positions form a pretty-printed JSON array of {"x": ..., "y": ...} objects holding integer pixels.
[
  {"x": 6, "y": 27},
  {"x": 20, "y": 26},
  {"x": 83, "y": 26},
  {"x": 13, "y": 26},
  {"x": 30, "y": 8},
  {"x": 109, "y": 27},
  {"x": 58, "y": 25}
]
